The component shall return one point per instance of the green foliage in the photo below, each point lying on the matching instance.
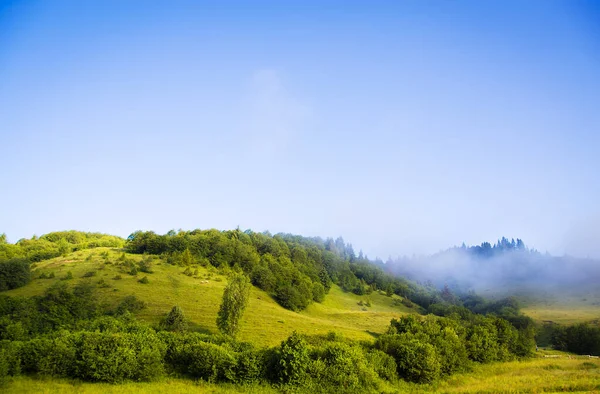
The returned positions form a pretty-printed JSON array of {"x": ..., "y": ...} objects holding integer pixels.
[
  {"x": 212, "y": 363},
  {"x": 3, "y": 367},
  {"x": 145, "y": 266},
  {"x": 144, "y": 280},
  {"x": 115, "y": 357},
  {"x": 14, "y": 273},
  {"x": 383, "y": 364},
  {"x": 447, "y": 345},
  {"x": 343, "y": 366},
  {"x": 290, "y": 268},
  {"x": 293, "y": 360},
  {"x": 56, "y": 244},
  {"x": 175, "y": 320},
  {"x": 130, "y": 304},
  {"x": 250, "y": 366},
  {"x": 318, "y": 292},
  {"x": 582, "y": 338},
  {"x": 417, "y": 361},
  {"x": 133, "y": 271},
  {"x": 482, "y": 344},
  {"x": 186, "y": 258},
  {"x": 233, "y": 305}
]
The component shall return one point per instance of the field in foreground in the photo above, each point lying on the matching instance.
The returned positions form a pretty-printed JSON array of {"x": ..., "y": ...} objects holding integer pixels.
[{"x": 561, "y": 374}]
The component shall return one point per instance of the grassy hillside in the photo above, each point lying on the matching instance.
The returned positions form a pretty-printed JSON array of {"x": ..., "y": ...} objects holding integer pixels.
[
  {"x": 264, "y": 323},
  {"x": 563, "y": 307},
  {"x": 561, "y": 374}
]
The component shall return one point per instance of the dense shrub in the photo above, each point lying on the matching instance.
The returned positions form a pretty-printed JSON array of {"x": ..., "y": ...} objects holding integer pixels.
[
  {"x": 250, "y": 366},
  {"x": 14, "y": 273},
  {"x": 344, "y": 367},
  {"x": 115, "y": 357},
  {"x": 3, "y": 367},
  {"x": 383, "y": 364},
  {"x": 482, "y": 344},
  {"x": 416, "y": 361},
  {"x": 11, "y": 356},
  {"x": 212, "y": 363},
  {"x": 293, "y": 360}
]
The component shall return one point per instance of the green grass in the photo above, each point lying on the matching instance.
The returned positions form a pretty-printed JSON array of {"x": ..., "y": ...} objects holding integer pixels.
[
  {"x": 24, "y": 384},
  {"x": 563, "y": 307},
  {"x": 264, "y": 323},
  {"x": 538, "y": 375},
  {"x": 533, "y": 376}
]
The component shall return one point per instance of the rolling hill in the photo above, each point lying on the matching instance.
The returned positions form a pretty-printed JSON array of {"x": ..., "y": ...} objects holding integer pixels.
[{"x": 265, "y": 322}]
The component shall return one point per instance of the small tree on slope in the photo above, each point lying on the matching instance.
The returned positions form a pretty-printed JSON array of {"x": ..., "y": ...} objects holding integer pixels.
[{"x": 235, "y": 300}]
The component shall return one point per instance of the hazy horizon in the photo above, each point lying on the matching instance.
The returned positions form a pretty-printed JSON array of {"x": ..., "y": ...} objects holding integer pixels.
[{"x": 404, "y": 127}]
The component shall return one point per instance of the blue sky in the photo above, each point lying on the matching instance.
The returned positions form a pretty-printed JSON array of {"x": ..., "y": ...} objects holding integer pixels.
[{"x": 405, "y": 127}]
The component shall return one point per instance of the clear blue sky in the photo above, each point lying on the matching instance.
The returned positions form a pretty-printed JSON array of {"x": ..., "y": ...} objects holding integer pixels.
[{"x": 404, "y": 126}]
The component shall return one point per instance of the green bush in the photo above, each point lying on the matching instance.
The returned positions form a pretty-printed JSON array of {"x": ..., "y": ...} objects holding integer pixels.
[
  {"x": 3, "y": 367},
  {"x": 145, "y": 266},
  {"x": 250, "y": 366},
  {"x": 115, "y": 357},
  {"x": 417, "y": 361},
  {"x": 59, "y": 358},
  {"x": 318, "y": 292},
  {"x": 179, "y": 348},
  {"x": 293, "y": 360},
  {"x": 482, "y": 344},
  {"x": 344, "y": 366},
  {"x": 130, "y": 304},
  {"x": 383, "y": 364},
  {"x": 14, "y": 273},
  {"x": 212, "y": 363},
  {"x": 11, "y": 356}
]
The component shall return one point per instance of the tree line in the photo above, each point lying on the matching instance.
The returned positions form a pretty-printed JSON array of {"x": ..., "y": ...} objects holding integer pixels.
[{"x": 294, "y": 270}]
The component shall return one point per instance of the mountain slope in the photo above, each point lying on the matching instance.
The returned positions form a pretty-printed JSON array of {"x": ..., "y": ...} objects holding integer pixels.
[{"x": 265, "y": 322}]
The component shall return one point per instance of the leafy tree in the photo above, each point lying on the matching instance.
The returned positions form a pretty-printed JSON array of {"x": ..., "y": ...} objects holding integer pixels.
[{"x": 235, "y": 301}]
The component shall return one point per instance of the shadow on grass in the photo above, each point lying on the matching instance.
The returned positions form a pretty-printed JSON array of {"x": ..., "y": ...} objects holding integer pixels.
[{"x": 194, "y": 327}]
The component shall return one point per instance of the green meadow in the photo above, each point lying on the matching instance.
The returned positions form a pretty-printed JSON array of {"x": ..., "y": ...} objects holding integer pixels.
[{"x": 539, "y": 375}]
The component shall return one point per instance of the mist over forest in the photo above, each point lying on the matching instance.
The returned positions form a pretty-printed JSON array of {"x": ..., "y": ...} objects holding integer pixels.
[{"x": 500, "y": 268}]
